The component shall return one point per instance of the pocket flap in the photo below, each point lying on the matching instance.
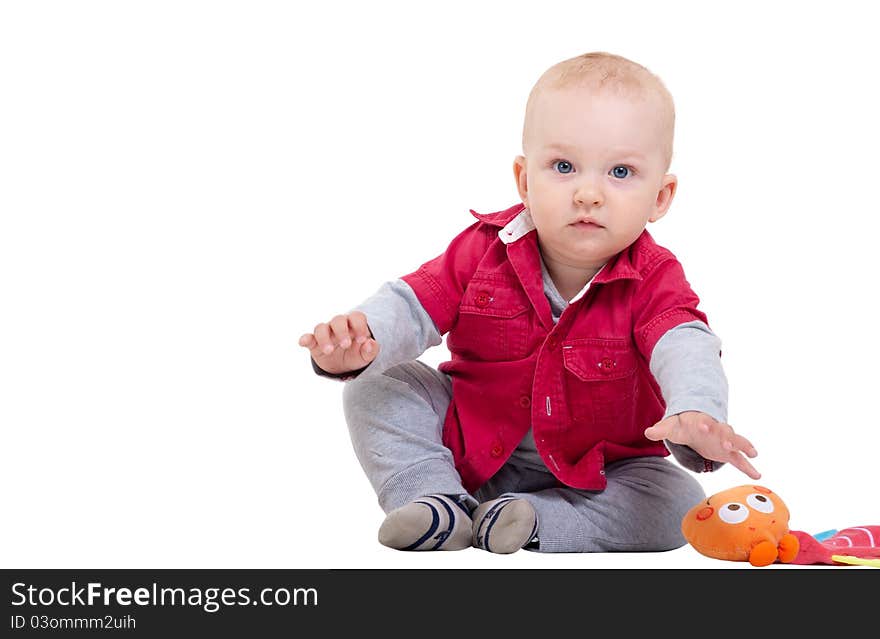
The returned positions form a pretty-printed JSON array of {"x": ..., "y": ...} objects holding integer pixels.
[
  {"x": 598, "y": 359},
  {"x": 494, "y": 299}
]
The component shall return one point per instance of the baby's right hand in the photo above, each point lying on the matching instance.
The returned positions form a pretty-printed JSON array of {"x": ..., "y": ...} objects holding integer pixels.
[{"x": 343, "y": 344}]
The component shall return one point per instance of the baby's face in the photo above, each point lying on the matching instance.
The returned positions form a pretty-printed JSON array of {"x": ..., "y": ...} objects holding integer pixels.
[{"x": 594, "y": 173}]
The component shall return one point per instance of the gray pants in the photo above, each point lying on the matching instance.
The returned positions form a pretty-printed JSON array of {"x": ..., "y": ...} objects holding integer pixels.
[{"x": 396, "y": 421}]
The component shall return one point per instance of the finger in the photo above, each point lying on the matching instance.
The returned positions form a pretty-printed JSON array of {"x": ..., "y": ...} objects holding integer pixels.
[
  {"x": 339, "y": 331},
  {"x": 322, "y": 335},
  {"x": 739, "y": 443},
  {"x": 369, "y": 350},
  {"x": 745, "y": 446},
  {"x": 724, "y": 432},
  {"x": 357, "y": 323},
  {"x": 307, "y": 341},
  {"x": 660, "y": 430},
  {"x": 741, "y": 463}
]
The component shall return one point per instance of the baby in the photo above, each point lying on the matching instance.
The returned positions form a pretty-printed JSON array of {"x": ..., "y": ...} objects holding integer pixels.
[{"x": 579, "y": 358}]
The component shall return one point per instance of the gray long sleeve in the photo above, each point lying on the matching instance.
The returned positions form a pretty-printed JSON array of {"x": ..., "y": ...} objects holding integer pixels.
[
  {"x": 400, "y": 324},
  {"x": 686, "y": 362}
]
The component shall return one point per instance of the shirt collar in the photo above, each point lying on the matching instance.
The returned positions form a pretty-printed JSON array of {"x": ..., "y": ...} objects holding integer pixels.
[
  {"x": 517, "y": 227},
  {"x": 500, "y": 218},
  {"x": 584, "y": 290},
  {"x": 620, "y": 266}
]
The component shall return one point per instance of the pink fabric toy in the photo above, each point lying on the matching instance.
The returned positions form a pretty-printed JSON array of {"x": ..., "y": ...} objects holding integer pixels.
[{"x": 843, "y": 547}]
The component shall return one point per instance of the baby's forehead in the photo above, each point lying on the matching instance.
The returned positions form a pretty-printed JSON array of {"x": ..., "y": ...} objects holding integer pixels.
[
  {"x": 585, "y": 95},
  {"x": 550, "y": 109}
]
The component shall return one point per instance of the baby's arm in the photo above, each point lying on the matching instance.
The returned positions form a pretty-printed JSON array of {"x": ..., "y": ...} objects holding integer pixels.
[
  {"x": 395, "y": 323},
  {"x": 686, "y": 363}
]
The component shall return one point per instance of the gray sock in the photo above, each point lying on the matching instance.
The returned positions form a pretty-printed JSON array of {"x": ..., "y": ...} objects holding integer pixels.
[
  {"x": 435, "y": 522},
  {"x": 504, "y": 525}
]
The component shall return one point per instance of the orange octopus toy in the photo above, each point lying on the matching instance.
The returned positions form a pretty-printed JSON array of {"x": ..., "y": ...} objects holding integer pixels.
[{"x": 744, "y": 523}]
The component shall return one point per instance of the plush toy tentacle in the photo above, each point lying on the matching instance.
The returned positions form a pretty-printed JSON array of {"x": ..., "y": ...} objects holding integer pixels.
[
  {"x": 763, "y": 554},
  {"x": 788, "y": 548}
]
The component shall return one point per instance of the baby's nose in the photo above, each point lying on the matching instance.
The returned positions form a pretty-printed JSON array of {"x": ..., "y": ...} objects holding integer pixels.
[{"x": 588, "y": 193}]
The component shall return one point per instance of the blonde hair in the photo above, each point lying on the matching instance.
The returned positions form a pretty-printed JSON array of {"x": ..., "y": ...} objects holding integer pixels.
[{"x": 601, "y": 71}]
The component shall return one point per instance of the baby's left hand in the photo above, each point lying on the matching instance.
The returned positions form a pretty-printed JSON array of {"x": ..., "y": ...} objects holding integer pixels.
[{"x": 712, "y": 439}]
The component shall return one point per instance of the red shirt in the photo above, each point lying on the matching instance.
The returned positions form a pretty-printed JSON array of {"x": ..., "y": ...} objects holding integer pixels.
[{"x": 583, "y": 384}]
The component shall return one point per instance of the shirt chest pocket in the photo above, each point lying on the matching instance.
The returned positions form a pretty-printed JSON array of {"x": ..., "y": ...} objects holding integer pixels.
[
  {"x": 493, "y": 322},
  {"x": 600, "y": 379}
]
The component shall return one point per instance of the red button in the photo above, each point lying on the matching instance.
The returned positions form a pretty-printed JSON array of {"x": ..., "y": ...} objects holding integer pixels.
[
  {"x": 483, "y": 299},
  {"x": 525, "y": 401},
  {"x": 607, "y": 364},
  {"x": 496, "y": 450},
  {"x": 552, "y": 343}
]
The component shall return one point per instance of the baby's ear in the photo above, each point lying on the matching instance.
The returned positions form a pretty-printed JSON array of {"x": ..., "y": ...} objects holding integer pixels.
[
  {"x": 664, "y": 197},
  {"x": 519, "y": 174}
]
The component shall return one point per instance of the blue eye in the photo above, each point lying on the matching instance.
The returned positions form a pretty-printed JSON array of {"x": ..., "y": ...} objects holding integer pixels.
[
  {"x": 620, "y": 171},
  {"x": 563, "y": 167}
]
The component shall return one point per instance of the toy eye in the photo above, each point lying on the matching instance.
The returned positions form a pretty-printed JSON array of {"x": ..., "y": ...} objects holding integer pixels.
[
  {"x": 733, "y": 513},
  {"x": 761, "y": 503}
]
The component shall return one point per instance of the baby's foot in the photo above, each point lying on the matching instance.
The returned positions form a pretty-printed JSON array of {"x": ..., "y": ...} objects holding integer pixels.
[
  {"x": 504, "y": 525},
  {"x": 435, "y": 522}
]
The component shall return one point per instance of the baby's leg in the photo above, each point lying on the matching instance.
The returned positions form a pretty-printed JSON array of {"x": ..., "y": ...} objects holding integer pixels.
[
  {"x": 640, "y": 509},
  {"x": 396, "y": 423}
]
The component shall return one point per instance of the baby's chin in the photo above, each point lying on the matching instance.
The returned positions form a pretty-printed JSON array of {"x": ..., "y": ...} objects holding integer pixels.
[
  {"x": 584, "y": 254},
  {"x": 595, "y": 250}
]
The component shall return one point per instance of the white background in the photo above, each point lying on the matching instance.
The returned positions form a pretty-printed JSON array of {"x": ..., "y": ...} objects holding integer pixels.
[{"x": 187, "y": 187}]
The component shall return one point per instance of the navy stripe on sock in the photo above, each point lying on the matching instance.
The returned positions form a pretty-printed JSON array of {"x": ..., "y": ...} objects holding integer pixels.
[
  {"x": 487, "y": 521},
  {"x": 435, "y": 523},
  {"x": 494, "y": 512},
  {"x": 455, "y": 499},
  {"x": 534, "y": 532},
  {"x": 445, "y": 534}
]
